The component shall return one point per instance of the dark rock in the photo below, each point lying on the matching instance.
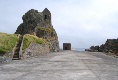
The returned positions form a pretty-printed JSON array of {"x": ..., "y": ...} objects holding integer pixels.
[
  {"x": 110, "y": 46},
  {"x": 101, "y": 48},
  {"x": 87, "y": 50},
  {"x": 94, "y": 48}
]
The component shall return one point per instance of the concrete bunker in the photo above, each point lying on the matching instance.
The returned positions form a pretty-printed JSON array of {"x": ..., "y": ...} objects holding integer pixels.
[{"x": 66, "y": 46}]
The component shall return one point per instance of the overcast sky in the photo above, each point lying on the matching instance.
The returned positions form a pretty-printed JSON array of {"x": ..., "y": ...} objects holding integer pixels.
[{"x": 80, "y": 22}]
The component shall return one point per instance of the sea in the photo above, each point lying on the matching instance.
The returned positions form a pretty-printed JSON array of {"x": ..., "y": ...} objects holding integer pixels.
[{"x": 79, "y": 49}]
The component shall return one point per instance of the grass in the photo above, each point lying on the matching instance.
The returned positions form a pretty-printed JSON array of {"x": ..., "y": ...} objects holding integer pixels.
[
  {"x": 47, "y": 29},
  {"x": 7, "y": 42},
  {"x": 31, "y": 38}
]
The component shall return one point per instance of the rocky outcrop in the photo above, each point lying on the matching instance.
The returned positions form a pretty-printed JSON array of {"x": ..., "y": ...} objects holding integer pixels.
[
  {"x": 110, "y": 47},
  {"x": 39, "y": 24},
  {"x": 101, "y": 48},
  {"x": 35, "y": 49},
  {"x": 93, "y": 49}
]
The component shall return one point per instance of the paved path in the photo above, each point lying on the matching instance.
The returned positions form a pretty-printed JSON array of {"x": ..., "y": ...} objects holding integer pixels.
[{"x": 65, "y": 65}]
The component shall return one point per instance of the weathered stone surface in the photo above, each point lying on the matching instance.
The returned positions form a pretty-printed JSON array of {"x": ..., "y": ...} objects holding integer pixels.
[
  {"x": 7, "y": 57},
  {"x": 110, "y": 47},
  {"x": 39, "y": 24},
  {"x": 36, "y": 49},
  {"x": 102, "y": 48}
]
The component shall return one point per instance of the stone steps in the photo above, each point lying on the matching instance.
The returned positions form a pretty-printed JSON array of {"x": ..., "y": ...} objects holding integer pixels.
[{"x": 17, "y": 49}]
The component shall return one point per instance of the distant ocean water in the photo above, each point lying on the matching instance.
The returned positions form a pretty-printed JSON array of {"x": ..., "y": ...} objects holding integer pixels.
[{"x": 79, "y": 49}]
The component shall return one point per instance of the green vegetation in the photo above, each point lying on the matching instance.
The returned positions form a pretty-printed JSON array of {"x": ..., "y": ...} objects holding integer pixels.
[
  {"x": 48, "y": 30},
  {"x": 7, "y": 42},
  {"x": 31, "y": 38}
]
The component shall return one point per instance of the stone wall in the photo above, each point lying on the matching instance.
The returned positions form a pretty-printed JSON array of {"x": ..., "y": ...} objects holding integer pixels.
[{"x": 36, "y": 49}]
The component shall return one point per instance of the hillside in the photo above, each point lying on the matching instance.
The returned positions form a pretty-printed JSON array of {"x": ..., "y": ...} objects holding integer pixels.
[{"x": 8, "y": 41}]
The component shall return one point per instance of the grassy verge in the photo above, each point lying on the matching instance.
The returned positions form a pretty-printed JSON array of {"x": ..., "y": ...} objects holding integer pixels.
[
  {"x": 7, "y": 42},
  {"x": 31, "y": 38}
]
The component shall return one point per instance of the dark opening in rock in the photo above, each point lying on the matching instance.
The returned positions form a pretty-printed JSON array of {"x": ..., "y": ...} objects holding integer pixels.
[{"x": 45, "y": 17}]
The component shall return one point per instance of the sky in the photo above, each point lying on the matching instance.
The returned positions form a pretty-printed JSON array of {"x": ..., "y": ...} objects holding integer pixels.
[{"x": 82, "y": 23}]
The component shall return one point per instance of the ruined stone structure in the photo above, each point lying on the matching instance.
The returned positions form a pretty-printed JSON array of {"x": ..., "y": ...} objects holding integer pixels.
[
  {"x": 66, "y": 46},
  {"x": 39, "y": 24}
]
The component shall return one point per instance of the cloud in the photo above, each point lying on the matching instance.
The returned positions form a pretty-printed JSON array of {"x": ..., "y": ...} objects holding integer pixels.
[
  {"x": 95, "y": 21},
  {"x": 80, "y": 22}
]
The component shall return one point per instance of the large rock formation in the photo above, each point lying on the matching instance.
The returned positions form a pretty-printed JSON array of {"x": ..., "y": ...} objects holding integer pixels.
[
  {"x": 110, "y": 47},
  {"x": 39, "y": 24},
  {"x": 35, "y": 49}
]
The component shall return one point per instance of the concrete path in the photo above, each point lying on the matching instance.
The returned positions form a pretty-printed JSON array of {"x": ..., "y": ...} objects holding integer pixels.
[{"x": 65, "y": 65}]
